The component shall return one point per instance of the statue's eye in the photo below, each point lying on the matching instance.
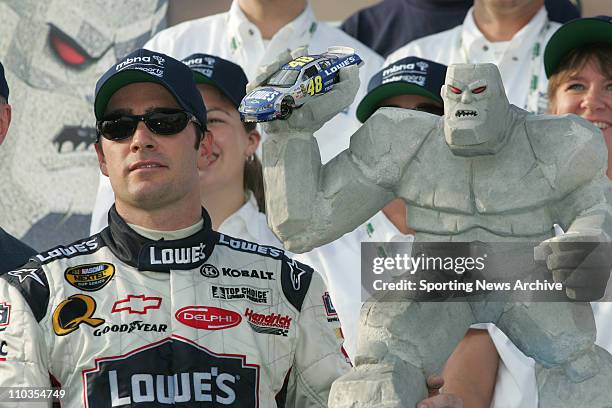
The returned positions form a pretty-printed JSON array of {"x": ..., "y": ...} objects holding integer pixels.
[
  {"x": 478, "y": 90},
  {"x": 454, "y": 90},
  {"x": 66, "y": 49}
]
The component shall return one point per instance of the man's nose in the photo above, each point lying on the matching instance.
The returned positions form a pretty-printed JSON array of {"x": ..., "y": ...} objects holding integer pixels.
[{"x": 142, "y": 138}]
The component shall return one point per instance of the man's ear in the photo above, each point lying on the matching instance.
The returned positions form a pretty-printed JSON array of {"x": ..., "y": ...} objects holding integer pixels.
[
  {"x": 101, "y": 157},
  {"x": 5, "y": 120}
]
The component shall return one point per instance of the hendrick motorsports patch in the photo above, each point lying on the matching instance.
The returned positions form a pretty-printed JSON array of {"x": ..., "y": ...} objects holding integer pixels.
[{"x": 90, "y": 277}]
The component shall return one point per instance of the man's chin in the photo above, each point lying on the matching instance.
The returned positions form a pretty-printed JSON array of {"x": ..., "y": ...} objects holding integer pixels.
[{"x": 149, "y": 197}]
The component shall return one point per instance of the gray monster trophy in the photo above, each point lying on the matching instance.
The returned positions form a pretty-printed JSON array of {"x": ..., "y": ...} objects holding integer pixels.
[{"x": 497, "y": 174}]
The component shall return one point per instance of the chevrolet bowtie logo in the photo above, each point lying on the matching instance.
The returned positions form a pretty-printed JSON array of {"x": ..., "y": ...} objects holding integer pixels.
[{"x": 137, "y": 304}]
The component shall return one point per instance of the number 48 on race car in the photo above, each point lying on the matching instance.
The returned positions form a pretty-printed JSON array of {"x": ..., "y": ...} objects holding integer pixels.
[{"x": 295, "y": 83}]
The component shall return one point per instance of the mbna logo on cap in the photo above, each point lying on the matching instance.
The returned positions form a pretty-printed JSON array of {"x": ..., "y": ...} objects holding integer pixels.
[
  {"x": 153, "y": 65},
  {"x": 203, "y": 65}
]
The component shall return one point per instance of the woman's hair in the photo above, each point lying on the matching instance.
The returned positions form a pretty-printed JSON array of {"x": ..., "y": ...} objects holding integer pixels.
[
  {"x": 253, "y": 175},
  {"x": 574, "y": 62}
]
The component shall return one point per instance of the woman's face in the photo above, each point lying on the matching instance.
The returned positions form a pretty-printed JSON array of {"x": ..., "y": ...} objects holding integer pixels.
[
  {"x": 587, "y": 94},
  {"x": 231, "y": 144}
]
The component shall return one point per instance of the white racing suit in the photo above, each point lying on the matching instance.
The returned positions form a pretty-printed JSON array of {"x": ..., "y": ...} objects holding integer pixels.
[{"x": 206, "y": 321}]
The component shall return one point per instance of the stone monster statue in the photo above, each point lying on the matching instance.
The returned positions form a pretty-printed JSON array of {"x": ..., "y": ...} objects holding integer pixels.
[
  {"x": 53, "y": 52},
  {"x": 487, "y": 171}
]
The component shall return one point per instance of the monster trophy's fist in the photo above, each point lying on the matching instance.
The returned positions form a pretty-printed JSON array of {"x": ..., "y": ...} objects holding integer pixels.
[{"x": 580, "y": 260}]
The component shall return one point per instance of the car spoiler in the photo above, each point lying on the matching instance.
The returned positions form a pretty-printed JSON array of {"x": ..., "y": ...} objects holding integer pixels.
[{"x": 338, "y": 49}]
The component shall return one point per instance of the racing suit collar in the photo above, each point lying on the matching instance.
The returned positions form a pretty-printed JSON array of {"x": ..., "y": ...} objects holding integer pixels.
[{"x": 158, "y": 256}]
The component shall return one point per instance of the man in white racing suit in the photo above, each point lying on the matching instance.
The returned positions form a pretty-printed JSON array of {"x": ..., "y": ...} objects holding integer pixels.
[{"x": 158, "y": 309}]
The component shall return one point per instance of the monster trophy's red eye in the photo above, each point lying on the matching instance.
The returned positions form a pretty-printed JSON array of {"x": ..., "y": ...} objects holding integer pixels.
[
  {"x": 478, "y": 90},
  {"x": 454, "y": 90},
  {"x": 66, "y": 49}
]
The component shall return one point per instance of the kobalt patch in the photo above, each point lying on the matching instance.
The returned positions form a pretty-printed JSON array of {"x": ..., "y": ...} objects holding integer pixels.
[
  {"x": 90, "y": 277},
  {"x": 248, "y": 273},
  {"x": 209, "y": 271}
]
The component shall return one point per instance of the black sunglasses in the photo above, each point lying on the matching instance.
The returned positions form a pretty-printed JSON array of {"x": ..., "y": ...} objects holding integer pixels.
[{"x": 163, "y": 122}]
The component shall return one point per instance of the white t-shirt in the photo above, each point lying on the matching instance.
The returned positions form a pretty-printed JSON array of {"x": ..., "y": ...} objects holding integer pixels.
[
  {"x": 520, "y": 60},
  {"x": 232, "y": 36}
]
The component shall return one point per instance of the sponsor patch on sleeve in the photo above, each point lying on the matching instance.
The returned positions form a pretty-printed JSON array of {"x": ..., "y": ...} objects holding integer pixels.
[
  {"x": 330, "y": 310},
  {"x": 5, "y": 315}
]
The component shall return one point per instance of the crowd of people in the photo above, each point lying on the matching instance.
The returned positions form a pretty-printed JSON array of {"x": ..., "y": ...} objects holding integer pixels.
[{"x": 180, "y": 238}]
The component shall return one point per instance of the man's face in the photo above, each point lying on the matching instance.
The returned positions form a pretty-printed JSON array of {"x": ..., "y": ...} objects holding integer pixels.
[
  {"x": 475, "y": 107},
  {"x": 149, "y": 171},
  {"x": 416, "y": 102}
]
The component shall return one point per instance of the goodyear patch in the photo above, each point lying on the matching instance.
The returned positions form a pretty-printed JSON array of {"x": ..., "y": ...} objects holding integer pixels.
[{"x": 90, "y": 277}]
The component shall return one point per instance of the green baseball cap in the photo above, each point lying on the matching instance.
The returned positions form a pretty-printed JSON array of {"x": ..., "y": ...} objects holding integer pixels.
[
  {"x": 574, "y": 34},
  {"x": 407, "y": 76}
]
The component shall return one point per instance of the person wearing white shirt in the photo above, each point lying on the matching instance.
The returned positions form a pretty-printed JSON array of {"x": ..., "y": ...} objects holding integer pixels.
[
  {"x": 510, "y": 34},
  {"x": 250, "y": 34}
]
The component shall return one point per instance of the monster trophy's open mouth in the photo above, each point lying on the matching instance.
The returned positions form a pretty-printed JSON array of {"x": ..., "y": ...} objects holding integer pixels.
[{"x": 463, "y": 113}]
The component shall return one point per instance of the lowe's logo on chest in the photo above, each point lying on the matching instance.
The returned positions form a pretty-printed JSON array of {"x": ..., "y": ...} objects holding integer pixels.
[{"x": 170, "y": 256}]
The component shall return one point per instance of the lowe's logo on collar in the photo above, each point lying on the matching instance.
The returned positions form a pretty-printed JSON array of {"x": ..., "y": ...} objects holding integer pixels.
[{"x": 177, "y": 256}]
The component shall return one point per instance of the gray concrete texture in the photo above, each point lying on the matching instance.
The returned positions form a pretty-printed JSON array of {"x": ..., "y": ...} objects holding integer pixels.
[{"x": 496, "y": 174}]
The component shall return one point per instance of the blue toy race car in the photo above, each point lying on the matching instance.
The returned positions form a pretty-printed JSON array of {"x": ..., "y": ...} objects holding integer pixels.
[{"x": 295, "y": 83}]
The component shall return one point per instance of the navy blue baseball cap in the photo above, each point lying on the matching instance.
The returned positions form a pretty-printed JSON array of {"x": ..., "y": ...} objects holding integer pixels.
[
  {"x": 407, "y": 76},
  {"x": 575, "y": 34},
  {"x": 4, "y": 90},
  {"x": 148, "y": 66},
  {"x": 228, "y": 77}
]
